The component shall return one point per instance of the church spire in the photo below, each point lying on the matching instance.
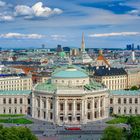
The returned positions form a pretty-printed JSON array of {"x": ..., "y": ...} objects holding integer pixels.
[{"x": 83, "y": 43}]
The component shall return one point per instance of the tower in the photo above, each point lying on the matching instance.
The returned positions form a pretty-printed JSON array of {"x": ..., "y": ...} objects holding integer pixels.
[
  {"x": 133, "y": 56},
  {"x": 83, "y": 43}
]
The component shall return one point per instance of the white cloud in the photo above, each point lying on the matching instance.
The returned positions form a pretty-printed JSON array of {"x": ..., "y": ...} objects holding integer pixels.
[
  {"x": 6, "y": 18},
  {"x": 22, "y": 36},
  {"x": 37, "y": 10},
  {"x": 23, "y": 10},
  {"x": 115, "y": 34},
  {"x": 2, "y": 3},
  {"x": 58, "y": 37},
  {"x": 134, "y": 12}
]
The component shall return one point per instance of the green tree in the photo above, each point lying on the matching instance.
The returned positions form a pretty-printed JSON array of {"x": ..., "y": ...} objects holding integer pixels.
[
  {"x": 16, "y": 133},
  {"x": 113, "y": 133},
  {"x": 134, "y": 88},
  {"x": 134, "y": 123}
]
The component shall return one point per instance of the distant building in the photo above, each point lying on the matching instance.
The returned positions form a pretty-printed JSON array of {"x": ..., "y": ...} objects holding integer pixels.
[
  {"x": 59, "y": 48},
  {"x": 111, "y": 77},
  {"x": 133, "y": 77},
  {"x": 83, "y": 58},
  {"x": 138, "y": 47},
  {"x": 129, "y": 47},
  {"x": 15, "y": 102},
  {"x": 15, "y": 82},
  {"x": 101, "y": 60},
  {"x": 66, "y": 49},
  {"x": 70, "y": 97},
  {"x": 124, "y": 102}
]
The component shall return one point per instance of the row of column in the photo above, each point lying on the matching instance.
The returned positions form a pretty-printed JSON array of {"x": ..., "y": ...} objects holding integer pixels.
[{"x": 56, "y": 113}]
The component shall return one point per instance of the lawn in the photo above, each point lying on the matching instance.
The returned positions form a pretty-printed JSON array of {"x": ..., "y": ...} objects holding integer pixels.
[
  {"x": 118, "y": 120},
  {"x": 11, "y": 115},
  {"x": 17, "y": 121}
]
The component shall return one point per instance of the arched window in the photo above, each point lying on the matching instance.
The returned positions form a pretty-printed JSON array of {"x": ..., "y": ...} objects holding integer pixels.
[
  {"x": 15, "y": 110},
  {"x": 89, "y": 115},
  {"x": 119, "y": 101},
  {"x": 111, "y": 101},
  {"x": 89, "y": 106},
  {"x": 119, "y": 110},
  {"x": 61, "y": 106},
  {"x": 51, "y": 115},
  {"x": 4, "y": 110},
  {"x": 95, "y": 114},
  {"x": 20, "y": 101},
  {"x": 130, "y": 100},
  {"x": 4, "y": 100},
  {"x": 95, "y": 105},
  {"x": 15, "y": 101},
  {"x": 9, "y": 110},
  {"x": 111, "y": 110},
  {"x": 130, "y": 110},
  {"x": 124, "y": 110},
  {"x": 136, "y": 110},
  {"x": 136, "y": 100},
  {"x": 20, "y": 110},
  {"x": 10, "y": 101},
  {"x": 124, "y": 100}
]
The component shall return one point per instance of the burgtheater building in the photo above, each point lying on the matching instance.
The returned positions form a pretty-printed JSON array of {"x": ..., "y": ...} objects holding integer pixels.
[{"x": 70, "y": 98}]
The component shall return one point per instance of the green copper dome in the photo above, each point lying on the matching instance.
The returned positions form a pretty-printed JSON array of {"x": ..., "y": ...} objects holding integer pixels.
[
  {"x": 62, "y": 54},
  {"x": 70, "y": 72}
]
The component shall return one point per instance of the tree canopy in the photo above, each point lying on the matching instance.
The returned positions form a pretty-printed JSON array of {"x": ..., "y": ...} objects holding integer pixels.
[
  {"x": 113, "y": 133},
  {"x": 16, "y": 133}
]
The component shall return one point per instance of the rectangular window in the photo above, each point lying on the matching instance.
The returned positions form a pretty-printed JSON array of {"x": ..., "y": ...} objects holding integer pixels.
[
  {"x": 70, "y": 106},
  {"x": 15, "y": 101},
  {"x": 78, "y": 106},
  {"x": 4, "y": 101},
  {"x": 21, "y": 100}
]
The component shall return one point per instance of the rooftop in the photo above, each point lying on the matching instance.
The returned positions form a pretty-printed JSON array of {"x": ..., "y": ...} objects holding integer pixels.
[
  {"x": 46, "y": 87},
  {"x": 70, "y": 72},
  {"x": 15, "y": 92},
  {"x": 125, "y": 92},
  {"x": 103, "y": 71},
  {"x": 94, "y": 86}
]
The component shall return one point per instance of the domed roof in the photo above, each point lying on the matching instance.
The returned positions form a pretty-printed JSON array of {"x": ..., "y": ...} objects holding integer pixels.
[
  {"x": 62, "y": 54},
  {"x": 70, "y": 72}
]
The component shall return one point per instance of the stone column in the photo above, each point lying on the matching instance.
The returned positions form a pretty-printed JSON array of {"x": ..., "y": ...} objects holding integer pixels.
[
  {"x": 41, "y": 108},
  {"x": 104, "y": 107},
  {"x": 47, "y": 108},
  {"x": 33, "y": 105},
  {"x": 74, "y": 110},
  {"x": 85, "y": 113},
  {"x": 56, "y": 110},
  {"x": 66, "y": 106},
  {"x": 93, "y": 108},
  {"x": 82, "y": 110},
  {"x": 99, "y": 108}
]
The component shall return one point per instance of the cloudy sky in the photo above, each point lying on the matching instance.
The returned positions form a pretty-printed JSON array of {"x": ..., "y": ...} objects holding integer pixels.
[{"x": 106, "y": 23}]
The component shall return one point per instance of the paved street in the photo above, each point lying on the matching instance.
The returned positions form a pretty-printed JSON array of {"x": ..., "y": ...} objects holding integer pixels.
[{"x": 47, "y": 131}]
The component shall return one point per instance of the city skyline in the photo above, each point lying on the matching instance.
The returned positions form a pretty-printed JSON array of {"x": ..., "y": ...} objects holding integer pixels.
[{"x": 105, "y": 24}]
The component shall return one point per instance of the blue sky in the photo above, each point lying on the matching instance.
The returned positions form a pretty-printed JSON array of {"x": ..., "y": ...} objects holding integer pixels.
[{"x": 106, "y": 23}]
